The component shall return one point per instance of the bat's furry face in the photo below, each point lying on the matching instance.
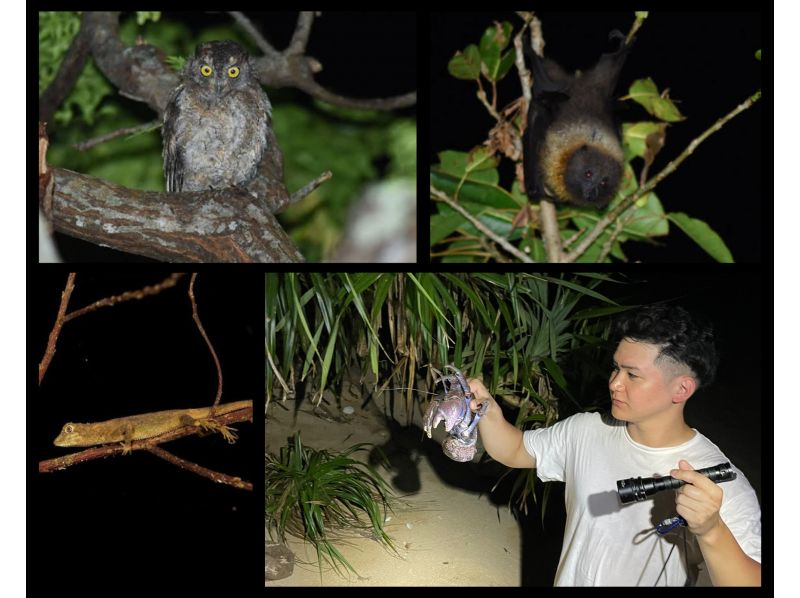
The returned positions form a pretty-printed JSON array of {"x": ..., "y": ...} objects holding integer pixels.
[{"x": 592, "y": 177}]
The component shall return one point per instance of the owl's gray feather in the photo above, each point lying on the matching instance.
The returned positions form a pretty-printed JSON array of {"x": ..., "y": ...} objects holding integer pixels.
[{"x": 215, "y": 125}]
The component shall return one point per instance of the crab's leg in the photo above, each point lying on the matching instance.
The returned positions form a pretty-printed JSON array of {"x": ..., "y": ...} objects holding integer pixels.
[
  {"x": 477, "y": 418},
  {"x": 467, "y": 398}
]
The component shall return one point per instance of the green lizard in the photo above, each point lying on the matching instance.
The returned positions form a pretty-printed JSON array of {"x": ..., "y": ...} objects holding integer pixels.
[{"x": 147, "y": 425}]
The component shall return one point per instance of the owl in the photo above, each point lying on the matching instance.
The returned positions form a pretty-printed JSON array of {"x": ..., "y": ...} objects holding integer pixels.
[{"x": 216, "y": 121}]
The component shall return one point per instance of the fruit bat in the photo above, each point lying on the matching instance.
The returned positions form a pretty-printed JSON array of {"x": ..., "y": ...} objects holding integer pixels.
[{"x": 572, "y": 146}]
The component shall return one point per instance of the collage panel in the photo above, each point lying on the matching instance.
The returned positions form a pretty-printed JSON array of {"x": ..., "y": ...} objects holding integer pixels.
[
  {"x": 513, "y": 429},
  {"x": 227, "y": 137},
  {"x": 147, "y": 458},
  {"x": 594, "y": 138}
]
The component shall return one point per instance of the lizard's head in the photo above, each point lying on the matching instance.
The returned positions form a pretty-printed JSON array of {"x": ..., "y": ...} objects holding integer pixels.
[{"x": 69, "y": 435}]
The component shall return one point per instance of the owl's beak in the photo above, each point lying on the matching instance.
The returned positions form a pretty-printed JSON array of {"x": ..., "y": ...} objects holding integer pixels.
[{"x": 220, "y": 88}]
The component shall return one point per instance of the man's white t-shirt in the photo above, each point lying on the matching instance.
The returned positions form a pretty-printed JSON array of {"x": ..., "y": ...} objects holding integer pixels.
[{"x": 607, "y": 543}]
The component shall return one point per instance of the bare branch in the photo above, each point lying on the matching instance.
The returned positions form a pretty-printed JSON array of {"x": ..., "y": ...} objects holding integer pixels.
[
  {"x": 319, "y": 92},
  {"x": 90, "y": 143},
  {"x": 68, "y": 72},
  {"x": 137, "y": 71},
  {"x": 441, "y": 196},
  {"x": 293, "y": 68},
  {"x": 60, "y": 319},
  {"x": 301, "y": 33},
  {"x": 146, "y": 291},
  {"x": 202, "y": 330},
  {"x": 254, "y": 33},
  {"x": 307, "y": 189},
  {"x": 214, "y": 476}
]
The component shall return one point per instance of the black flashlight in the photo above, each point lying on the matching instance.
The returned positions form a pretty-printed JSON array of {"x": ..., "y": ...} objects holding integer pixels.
[{"x": 638, "y": 489}]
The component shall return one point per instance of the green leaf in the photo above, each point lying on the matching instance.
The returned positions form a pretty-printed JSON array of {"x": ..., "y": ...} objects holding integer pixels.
[
  {"x": 486, "y": 193},
  {"x": 142, "y": 17},
  {"x": 466, "y": 65},
  {"x": 702, "y": 234},
  {"x": 648, "y": 220},
  {"x": 444, "y": 223},
  {"x": 469, "y": 166},
  {"x": 493, "y": 41},
  {"x": 645, "y": 92}
]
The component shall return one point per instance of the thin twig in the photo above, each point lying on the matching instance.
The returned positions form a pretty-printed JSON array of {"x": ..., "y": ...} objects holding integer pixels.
[
  {"x": 441, "y": 196},
  {"x": 302, "y": 32},
  {"x": 89, "y": 143},
  {"x": 146, "y": 291},
  {"x": 308, "y": 188},
  {"x": 60, "y": 319},
  {"x": 254, "y": 33},
  {"x": 63, "y": 318},
  {"x": 214, "y": 476},
  {"x": 208, "y": 342}
]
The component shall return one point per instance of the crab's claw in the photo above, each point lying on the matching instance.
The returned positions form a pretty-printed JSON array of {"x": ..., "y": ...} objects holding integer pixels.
[{"x": 452, "y": 412}]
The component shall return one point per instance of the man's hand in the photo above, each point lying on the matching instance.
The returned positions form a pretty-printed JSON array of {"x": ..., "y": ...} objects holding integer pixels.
[
  {"x": 480, "y": 395},
  {"x": 500, "y": 439},
  {"x": 698, "y": 501}
]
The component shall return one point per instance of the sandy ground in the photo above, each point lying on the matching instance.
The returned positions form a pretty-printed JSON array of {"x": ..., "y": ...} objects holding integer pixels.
[{"x": 448, "y": 533}]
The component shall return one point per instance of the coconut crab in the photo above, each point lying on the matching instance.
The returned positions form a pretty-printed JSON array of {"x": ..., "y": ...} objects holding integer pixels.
[{"x": 453, "y": 408}]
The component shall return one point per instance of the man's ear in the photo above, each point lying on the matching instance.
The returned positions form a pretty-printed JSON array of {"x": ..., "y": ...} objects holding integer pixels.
[{"x": 683, "y": 388}]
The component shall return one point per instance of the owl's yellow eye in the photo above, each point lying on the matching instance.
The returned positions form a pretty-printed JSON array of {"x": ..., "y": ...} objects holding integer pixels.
[
  {"x": 205, "y": 70},
  {"x": 233, "y": 72}
]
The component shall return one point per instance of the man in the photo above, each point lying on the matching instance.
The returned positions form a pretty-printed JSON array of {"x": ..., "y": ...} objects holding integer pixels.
[{"x": 662, "y": 357}]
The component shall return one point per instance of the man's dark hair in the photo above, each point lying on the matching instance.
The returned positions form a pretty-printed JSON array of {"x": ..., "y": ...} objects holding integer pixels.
[{"x": 680, "y": 336}]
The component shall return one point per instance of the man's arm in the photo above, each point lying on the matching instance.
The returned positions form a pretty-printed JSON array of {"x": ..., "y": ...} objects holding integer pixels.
[
  {"x": 728, "y": 565},
  {"x": 698, "y": 502},
  {"x": 500, "y": 439}
]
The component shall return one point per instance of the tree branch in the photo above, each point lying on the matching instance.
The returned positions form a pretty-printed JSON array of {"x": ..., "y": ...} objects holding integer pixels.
[
  {"x": 68, "y": 72},
  {"x": 60, "y": 319},
  {"x": 293, "y": 68},
  {"x": 228, "y": 225},
  {"x": 138, "y": 72},
  {"x": 202, "y": 330}
]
